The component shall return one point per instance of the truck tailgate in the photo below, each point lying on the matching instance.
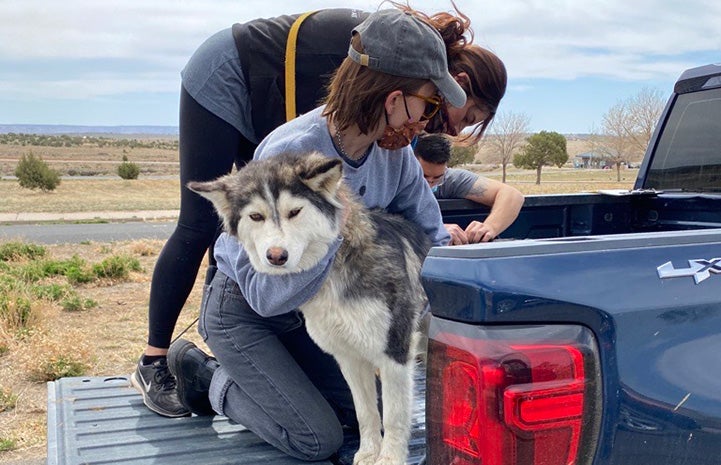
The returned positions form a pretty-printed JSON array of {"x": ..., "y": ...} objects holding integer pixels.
[{"x": 93, "y": 420}]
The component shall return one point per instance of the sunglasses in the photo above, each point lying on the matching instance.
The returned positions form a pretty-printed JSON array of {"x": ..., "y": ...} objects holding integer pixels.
[{"x": 433, "y": 104}]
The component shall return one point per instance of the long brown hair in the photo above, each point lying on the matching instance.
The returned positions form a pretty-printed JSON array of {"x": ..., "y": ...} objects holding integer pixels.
[{"x": 487, "y": 73}]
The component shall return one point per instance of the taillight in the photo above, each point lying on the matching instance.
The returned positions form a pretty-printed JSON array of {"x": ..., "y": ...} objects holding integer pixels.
[{"x": 511, "y": 395}]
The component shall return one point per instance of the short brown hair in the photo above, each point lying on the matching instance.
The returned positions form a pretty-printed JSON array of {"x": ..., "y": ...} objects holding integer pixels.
[{"x": 356, "y": 94}]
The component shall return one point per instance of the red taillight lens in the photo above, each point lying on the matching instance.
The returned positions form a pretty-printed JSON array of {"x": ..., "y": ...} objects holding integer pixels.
[
  {"x": 497, "y": 400},
  {"x": 466, "y": 405}
]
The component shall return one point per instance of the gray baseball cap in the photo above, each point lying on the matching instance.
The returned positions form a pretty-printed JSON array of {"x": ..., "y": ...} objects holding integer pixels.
[{"x": 401, "y": 44}]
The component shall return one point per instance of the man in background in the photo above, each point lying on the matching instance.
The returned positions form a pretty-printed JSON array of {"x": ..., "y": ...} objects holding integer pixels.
[{"x": 433, "y": 152}]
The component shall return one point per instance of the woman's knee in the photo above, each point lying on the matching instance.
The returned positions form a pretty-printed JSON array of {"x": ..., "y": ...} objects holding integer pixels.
[{"x": 323, "y": 441}]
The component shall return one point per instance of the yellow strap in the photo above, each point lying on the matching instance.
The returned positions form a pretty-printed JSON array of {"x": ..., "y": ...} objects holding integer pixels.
[{"x": 290, "y": 111}]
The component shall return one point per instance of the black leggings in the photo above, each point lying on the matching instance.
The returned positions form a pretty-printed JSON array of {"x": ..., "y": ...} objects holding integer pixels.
[{"x": 209, "y": 147}]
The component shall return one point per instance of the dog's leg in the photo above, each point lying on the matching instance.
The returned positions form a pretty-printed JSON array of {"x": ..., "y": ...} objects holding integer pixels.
[
  {"x": 361, "y": 379},
  {"x": 397, "y": 389}
]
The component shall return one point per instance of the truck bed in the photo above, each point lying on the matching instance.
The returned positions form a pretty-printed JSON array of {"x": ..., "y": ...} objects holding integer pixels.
[{"x": 101, "y": 420}]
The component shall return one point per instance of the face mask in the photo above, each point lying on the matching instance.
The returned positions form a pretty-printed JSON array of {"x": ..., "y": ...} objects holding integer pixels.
[
  {"x": 394, "y": 139},
  {"x": 434, "y": 189}
]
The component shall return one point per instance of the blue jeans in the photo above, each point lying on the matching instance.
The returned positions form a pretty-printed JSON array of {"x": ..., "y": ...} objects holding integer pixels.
[{"x": 273, "y": 379}]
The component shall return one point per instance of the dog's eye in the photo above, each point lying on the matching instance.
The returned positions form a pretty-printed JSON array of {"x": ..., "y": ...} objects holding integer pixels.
[
  {"x": 294, "y": 212},
  {"x": 256, "y": 217}
]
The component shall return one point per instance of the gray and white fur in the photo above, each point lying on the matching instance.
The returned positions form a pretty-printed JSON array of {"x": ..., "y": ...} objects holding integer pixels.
[{"x": 286, "y": 211}]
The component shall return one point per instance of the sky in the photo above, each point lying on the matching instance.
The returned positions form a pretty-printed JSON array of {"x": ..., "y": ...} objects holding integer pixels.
[{"x": 118, "y": 62}]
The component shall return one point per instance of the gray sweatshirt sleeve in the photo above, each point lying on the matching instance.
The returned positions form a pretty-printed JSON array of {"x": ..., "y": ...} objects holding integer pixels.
[
  {"x": 271, "y": 295},
  {"x": 416, "y": 202}
]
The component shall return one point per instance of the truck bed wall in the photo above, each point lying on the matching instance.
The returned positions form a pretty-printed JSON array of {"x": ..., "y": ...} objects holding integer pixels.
[{"x": 548, "y": 216}]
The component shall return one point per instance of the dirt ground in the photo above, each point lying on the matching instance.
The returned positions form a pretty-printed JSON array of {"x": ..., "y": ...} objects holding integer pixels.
[{"x": 109, "y": 338}]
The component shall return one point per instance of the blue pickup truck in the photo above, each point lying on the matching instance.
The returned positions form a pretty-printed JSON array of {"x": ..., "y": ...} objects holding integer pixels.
[
  {"x": 589, "y": 334},
  {"x": 594, "y": 336}
]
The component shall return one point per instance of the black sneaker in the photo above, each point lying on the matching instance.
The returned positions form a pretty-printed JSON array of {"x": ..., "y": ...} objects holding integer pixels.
[
  {"x": 157, "y": 385},
  {"x": 193, "y": 370}
]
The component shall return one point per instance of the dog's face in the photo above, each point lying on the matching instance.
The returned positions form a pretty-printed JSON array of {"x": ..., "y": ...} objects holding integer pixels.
[{"x": 284, "y": 210}]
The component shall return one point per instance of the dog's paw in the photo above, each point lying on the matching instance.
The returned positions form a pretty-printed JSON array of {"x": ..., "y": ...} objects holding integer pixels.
[
  {"x": 387, "y": 460},
  {"x": 365, "y": 458}
]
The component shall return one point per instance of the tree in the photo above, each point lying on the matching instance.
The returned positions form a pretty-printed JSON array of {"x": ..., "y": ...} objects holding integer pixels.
[
  {"x": 128, "y": 170},
  {"x": 645, "y": 110},
  {"x": 508, "y": 131},
  {"x": 462, "y": 154},
  {"x": 546, "y": 148},
  {"x": 34, "y": 173},
  {"x": 628, "y": 126},
  {"x": 616, "y": 144}
]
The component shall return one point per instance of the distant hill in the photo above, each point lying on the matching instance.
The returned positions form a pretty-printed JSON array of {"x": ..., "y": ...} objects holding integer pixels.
[{"x": 80, "y": 130}]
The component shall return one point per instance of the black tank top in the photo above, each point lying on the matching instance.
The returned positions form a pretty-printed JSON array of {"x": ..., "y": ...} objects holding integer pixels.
[{"x": 322, "y": 44}]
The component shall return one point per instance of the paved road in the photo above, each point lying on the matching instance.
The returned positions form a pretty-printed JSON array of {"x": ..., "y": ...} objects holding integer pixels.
[{"x": 61, "y": 233}]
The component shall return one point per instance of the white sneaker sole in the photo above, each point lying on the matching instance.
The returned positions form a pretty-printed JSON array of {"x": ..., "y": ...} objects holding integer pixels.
[{"x": 149, "y": 402}]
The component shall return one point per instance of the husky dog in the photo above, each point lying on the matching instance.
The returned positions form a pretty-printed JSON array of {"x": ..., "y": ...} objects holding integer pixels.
[{"x": 286, "y": 211}]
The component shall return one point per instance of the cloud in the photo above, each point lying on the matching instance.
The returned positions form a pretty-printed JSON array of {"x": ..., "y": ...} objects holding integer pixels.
[
  {"x": 88, "y": 87},
  {"x": 613, "y": 39},
  {"x": 69, "y": 49}
]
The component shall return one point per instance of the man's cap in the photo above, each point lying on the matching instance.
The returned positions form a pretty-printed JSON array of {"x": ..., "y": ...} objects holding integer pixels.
[{"x": 401, "y": 44}]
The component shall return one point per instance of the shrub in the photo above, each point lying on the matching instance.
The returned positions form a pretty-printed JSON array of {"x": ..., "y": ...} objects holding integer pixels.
[
  {"x": 7, "y": 399},
  {"x": 52, "y": 292},
  {"x": 30, "y": 272},
  {"x": 75, "y": 269},
  {"x": 7, "y": 444},
  {"x": 75, "y": 303},
  {"x": 56, "y": 367},
  {"x": 33, "y": 173},
  {"x": 117, "y": 266},
  {"x": 16, "y": 312},
  {"x": 128, "y": 170},
  {"x": 16, "y": 250}
]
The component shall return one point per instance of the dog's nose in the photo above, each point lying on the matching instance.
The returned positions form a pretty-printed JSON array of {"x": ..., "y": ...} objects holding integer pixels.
[{"x": 277, "y": 256}]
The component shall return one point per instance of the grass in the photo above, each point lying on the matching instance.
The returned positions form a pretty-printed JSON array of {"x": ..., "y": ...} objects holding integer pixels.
[
  {"x": 59, "y": 366},
  {"x": 8, "y": 399},
  {"x": 93, "y": 193},
  {"x": 7, "y": 444},
  {"x": 27, "y": 275},
  {"x": 78, "y": 195},
  {"x": 85, "y": 195},
  {"x": 95, "y": 328}
]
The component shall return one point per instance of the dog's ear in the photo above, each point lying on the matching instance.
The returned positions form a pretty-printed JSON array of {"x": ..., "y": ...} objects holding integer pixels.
[
  {"x": 320, "y": 173},
  {"x": 217, "y": 192}
]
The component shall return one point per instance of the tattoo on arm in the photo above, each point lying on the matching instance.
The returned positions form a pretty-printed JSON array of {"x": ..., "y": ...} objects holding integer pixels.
[{"x": 478, "y": 189}]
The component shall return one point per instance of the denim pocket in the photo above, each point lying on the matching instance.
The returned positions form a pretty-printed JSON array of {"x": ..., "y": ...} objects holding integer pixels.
[{"x": 207, "y": 289}]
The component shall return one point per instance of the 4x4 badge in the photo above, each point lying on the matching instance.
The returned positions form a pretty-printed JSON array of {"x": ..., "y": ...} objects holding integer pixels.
[{"x": 700, "y": 269}]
